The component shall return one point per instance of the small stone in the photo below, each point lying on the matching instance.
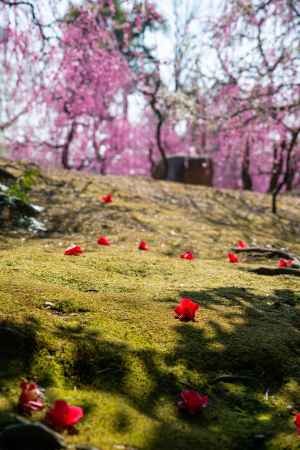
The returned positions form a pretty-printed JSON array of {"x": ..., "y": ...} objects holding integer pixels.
[
  {"x": 37, "y": 208},
  {"x": 3, "y": 188},
  {"x": 49, "y": 305},
  {"x": 36, "y": 225},
  {"x": 30, "y": 436}
]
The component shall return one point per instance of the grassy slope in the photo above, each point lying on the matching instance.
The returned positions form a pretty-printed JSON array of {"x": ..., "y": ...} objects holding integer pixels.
[{"x": 111, "y": 343}]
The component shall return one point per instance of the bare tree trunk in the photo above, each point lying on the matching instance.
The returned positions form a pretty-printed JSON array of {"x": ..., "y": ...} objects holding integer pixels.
[
  {"x": 246, "y": 177},
  {"x": 288, "y": 169},
  {"x": 277, "y": 166},
  {"x": 291, "y": 176},
  {"x": 66, "y": 147},
  {"x": 158, "y": 136},
  {"x": 103, "y": 168},
  {"x": 151, "y": 160},
  {"x": 160, "y": 121}
]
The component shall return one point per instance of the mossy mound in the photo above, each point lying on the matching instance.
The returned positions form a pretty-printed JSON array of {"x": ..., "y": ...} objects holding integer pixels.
[{"x": 99, "y": 331}]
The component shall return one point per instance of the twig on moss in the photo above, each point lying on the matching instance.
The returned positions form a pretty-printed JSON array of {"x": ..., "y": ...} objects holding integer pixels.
[
  {"x": 270, "y": 252},
  {"x": 228, "y": 378}
]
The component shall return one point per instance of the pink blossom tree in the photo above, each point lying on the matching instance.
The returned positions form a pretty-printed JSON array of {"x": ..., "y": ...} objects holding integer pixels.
[
  {"x": 94, "y": 66},
  {"x": 72, "y": 81},
  {"x": 91, "y": 61},
  {"x": 255, "y": 91}
]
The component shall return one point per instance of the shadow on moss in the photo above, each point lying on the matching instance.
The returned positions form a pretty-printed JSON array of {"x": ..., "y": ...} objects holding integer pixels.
[
  {"x": 251, "y": 360},
  {"x": 236, "y": 365},
  {"x": 18, "y": 348}
]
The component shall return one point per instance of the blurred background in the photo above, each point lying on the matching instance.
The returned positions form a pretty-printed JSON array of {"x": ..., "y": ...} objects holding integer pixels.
[{"x": 195, "y": 91}]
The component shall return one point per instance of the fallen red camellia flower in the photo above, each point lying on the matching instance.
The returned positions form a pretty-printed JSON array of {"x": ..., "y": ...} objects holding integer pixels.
[
  {"x": 62, "y": 415},
  {"x": 143, "y": 246},
  {"x": 106, "y": 198},
  {"x": 241, "y": 244},
  {"x": 285, "y": 263},
  {"x": 297, "y": 422},
  {"x": 103, "y": 240},
  {"x": 31, "y": 398},
  {"x": 186, "y": 309},
  {"x": 232, "y": 257},
  {"x": 187, "y": 255},
  {"x": 74, "y": 250},
  {"x": 192, "y": 401}
]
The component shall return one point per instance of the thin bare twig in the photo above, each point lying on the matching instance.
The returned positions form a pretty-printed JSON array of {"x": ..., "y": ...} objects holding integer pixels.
[{"x": 269, "y": 252}]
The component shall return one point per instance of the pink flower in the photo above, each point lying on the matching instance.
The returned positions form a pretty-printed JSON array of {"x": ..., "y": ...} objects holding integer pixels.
[
  {"x": 62, "y": 415},
  {"x": 285, "y": 263},
  {"x": 232, "y": 257},
  {"x": 103, "y": 240},
  {"x": 187, "y": 255},
  {"x": 31, "y": 398},
  {"x": 139, "y": 23},
  {"x": 186, "y": 310},
  {"x": 241, "y": 244},
  {"x": 192, "y": 401},
  {"x": 74, "y": 250},
  {"x": 106, "y": 198},
  {"x": 297, "y": 422},
  {"x": 143, "y": 246}
]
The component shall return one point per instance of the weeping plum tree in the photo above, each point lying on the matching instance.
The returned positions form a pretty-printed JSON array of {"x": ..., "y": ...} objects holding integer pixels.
[
  {"x": 92, "y": 60},
  {"x": 96, "y": 57},
  {"x": 255, "y": 89},
  {"x": 91, "y": 73},
  {"x": 68, "y": 84}
]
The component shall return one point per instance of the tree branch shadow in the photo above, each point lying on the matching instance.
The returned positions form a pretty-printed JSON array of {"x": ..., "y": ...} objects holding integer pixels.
[{"x": 247, "y": 346}]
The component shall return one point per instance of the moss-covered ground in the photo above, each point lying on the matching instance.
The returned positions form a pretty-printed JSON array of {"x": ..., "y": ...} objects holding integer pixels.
[{"x": 99, "y": 329}]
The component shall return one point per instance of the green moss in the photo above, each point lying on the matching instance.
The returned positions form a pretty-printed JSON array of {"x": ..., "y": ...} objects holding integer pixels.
[
  {"x": 100, "y": 330},
  {"x": 47, "y": 369}
]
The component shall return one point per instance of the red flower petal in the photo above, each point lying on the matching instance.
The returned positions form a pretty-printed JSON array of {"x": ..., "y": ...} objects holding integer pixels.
[
  {"x": 232, "y": 257},
  {"x": 143, "y": 246},
  {"x": 74, "y": 250},
  {"x": 241, "y": 244},
  {"x": 297, "y": 422},
  {"x": 31, "y": 398},
  {"x": 186, "y": 310},
  {"x": 103, "y": 240},
  {"x": 106, "y": 198},
  {"x": 63, "y": 415},
  {"x": 285, "y": 262},
  {"x": 192, "y": 401},
  {"x": 187, "y": 255},
  {"x": 32, "y": 405}
]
